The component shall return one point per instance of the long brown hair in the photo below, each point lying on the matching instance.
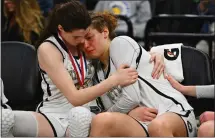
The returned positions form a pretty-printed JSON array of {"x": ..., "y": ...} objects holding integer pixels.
[
  {"x": 28, "y": 16},
  {"x": 104, "y": 19},
  {"x": 70, "y": 15}
]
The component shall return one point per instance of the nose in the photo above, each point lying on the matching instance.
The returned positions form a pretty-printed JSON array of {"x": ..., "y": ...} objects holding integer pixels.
[
  {"x": 86, "y": 45},
  {"x": 82, "y": 41}
]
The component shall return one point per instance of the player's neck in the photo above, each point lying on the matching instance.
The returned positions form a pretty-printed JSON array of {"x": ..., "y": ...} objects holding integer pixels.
[
  {"x": 73, "y": 50},
  {"x": 104, "y": 58}
]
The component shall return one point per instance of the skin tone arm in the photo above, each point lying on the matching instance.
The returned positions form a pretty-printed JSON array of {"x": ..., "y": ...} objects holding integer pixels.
[
  {"x": 52, "y": 63},
  {"x": 186, "y": 90}
]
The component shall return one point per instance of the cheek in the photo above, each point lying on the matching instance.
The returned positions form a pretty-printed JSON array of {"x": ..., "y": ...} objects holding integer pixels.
[
  {"x": 97, "y": 46},
  {"x": 70, "y": 40}
]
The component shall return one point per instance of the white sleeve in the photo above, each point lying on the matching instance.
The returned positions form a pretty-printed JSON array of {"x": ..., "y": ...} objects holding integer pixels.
[
  {"x": 205, "y": 91},
  {"x": 123, "y": 51},
  {"x": 128, "y": 100}
]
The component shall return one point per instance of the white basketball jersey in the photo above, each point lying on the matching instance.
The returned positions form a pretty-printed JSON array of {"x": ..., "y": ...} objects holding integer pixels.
[
  {"x": 146, "y": 91},
  {"x": 53, "y": 100}
]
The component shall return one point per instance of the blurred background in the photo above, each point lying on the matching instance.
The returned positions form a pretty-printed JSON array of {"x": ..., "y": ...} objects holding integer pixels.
[{"x": 150, "y": 22}]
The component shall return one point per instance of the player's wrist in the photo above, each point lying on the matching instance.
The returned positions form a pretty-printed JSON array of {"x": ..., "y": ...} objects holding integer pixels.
[
  {"x": 184, "y": 89},
  {"x": 114, "y": 80}
]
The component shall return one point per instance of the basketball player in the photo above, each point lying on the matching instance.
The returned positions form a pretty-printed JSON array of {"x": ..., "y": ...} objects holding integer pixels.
[
  {"x": 66, "y": 74},
  {"x": 175, "y": 116}
]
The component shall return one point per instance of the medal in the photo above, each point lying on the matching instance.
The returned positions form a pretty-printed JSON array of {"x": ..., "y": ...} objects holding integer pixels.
[{"x": 80, "y": 69}]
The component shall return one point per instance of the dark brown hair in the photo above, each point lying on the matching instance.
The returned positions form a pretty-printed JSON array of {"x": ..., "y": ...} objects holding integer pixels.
[
  {"x": 70, "y": 15},
  {"x": 100, "y": 20}
]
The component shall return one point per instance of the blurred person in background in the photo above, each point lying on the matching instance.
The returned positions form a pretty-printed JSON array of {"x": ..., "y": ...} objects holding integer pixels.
[
  {"x": 24, "y": 21},
  {"x": 139, "y": 12}
]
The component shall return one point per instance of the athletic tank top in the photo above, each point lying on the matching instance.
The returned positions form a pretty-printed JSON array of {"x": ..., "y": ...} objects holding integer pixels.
[{"x": 53, "y": 100}]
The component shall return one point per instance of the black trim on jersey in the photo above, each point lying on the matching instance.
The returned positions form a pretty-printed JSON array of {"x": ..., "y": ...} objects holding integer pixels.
[
  {"x": 48, "y": 87},
  {"x": 139, "y": 57},
  {"x": 41, "y": 104},
  {"x": 55, "y": 46},
  {"x": 96, "y": 73},
  {"x": 186, "y": 115},
  {"x": 85, "y": 61},
  {"x": 98, "y": 100},
  {"x": 108, "y": 71},
  {"x": 147, "y": 134},
  {"x": 100, "y": 103},
  {"x": 61, "y": 42},
  {"x": 96, "y": 77},
  {"x": 76, "y": 57},
  {"x": 160, "y": 93},
  {"x": 42, "y": 71},
  {"x": 186, "y": 126},
  {"x": 52, "y": 126}
]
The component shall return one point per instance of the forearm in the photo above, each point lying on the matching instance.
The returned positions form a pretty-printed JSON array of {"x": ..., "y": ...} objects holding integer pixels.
[
  {"x": 199, "y": 91},
  {"x": 189, "y": 90},
  {"x": 128, "y": 100},
  {"x": 205, "y": 91},
  {"x": 88, "y": 94}
]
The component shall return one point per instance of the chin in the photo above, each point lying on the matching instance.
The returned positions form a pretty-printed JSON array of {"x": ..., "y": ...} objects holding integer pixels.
[{"x": 92, "y": 56}]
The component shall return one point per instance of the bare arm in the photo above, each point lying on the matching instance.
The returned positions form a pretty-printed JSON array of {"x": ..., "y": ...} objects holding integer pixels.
[
  {"x": 51, "y": 61},
  {"x": 186, "y": 90},
  {"x": 206, "y": 91}
]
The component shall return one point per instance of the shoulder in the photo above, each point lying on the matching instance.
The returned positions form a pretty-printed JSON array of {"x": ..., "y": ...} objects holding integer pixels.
[
  {"x": 48, "y": 52},
  {"x": 124, "y": 41}
]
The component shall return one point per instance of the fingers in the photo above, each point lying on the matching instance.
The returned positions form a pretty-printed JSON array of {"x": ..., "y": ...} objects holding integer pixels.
[
  {"x": 152, "y": 115},
  {"x": 134, "y": 80},
  {"x": 161, "y": 71},
  {"x": 153, "y": 110},
  {"x": 147, "y": 119},
  {"x": 133, "y": 73},
  {"x": 152, "y": 57},
  {"x": 154, "y": 69},
  {"x": 158, "y": 69},
  {"x": 165, "y": 74},
  {"x": 123, "y": 66},
  {"x": 170, "y": 79},
  {"x": 135, "y": 77}
]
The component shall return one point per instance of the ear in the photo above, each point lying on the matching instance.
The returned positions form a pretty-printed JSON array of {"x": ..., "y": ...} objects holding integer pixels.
[
  {"x": 106, "y": 32},
  {"x": 60, "y": 28}
]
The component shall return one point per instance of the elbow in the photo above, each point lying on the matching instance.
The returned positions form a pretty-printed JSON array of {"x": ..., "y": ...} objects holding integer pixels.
[
  {"x": 76, "y": 104},
  {"x": 75, "y": 101}
]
